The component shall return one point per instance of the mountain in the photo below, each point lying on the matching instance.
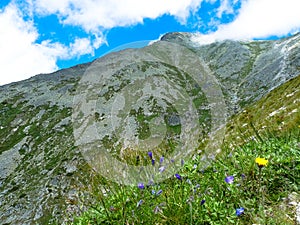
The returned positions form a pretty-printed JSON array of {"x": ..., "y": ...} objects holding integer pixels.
[{"x": 45, "y": 176}]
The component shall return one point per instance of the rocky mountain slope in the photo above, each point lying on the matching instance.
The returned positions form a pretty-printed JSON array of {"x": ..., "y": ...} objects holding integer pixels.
[{"x": 43, "y": 176}]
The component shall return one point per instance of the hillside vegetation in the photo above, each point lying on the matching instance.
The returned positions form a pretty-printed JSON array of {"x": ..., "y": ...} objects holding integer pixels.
[{"x": 45, "y": 177}]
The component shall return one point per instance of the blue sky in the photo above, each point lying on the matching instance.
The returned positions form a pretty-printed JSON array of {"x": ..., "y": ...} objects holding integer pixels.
[{"x": 41, "y": 36}]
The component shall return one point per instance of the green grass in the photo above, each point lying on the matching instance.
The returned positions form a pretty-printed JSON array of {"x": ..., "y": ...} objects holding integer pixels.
[
  {"x": 276, "y": 113},
  {"x": 203, "y": 197}
]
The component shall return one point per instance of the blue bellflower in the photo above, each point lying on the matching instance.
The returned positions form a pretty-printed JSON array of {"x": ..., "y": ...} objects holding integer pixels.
[
  {"x": 178, "y": 176},
  {"x": 239, "y": 211},
  {"x": 141, "y": 186},
  {"x": 229, "y": 179}
]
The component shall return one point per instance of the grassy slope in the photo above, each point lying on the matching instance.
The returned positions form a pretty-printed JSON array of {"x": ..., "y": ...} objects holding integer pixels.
[
  {"x": 277, "y": 113},
  {"x": 270, "y": 128}
]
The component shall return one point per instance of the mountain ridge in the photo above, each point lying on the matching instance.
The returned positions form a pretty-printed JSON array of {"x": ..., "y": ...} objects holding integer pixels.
[{"x": 43, "y": 173}]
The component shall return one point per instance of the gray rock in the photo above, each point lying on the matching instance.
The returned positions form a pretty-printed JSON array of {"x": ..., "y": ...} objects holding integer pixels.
[{"x": 43, "y": 172}]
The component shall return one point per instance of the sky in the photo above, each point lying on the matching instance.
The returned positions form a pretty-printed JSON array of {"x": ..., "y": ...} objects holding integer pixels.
[{"x": 42, "y": 36}]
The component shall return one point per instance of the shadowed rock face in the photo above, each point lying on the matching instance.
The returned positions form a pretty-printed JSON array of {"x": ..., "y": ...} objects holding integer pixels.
[{"x": 43, "y": 174}]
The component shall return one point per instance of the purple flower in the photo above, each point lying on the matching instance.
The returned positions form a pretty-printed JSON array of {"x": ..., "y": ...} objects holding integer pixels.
[
  {"x": 141, "y": 186},
  {"x": 202, "y": 202},
  {"x": 178, "y": 176},
  {"x": 182, "y": 162},
  {"x": 150, "y": 154},
  {"x": 161, "y": 169},
  {"x": 150, "y": 183},
  {"x": 152, "y": 162},
  {"x": 157, "y": 210},
  {"x": 229, "y": 179},
  {"x": 243, "y": 176},
  {"x": 159, "y": 192},
  {"x": 161, "y": 160},
  {"x": 153, "y": 192},
  {"x": 140, "y": 202},
  {"x": 239, "y": 211}
]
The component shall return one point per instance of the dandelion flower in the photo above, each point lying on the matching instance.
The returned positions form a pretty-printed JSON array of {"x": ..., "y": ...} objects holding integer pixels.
[{"x": 261, "y": 162}]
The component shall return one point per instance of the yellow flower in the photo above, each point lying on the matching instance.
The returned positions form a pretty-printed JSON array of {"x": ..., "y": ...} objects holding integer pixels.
[{"x": 261, "y": 161}]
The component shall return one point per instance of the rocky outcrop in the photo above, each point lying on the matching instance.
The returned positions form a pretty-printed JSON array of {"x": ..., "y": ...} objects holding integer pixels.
[{"x": 43, "y": 175}]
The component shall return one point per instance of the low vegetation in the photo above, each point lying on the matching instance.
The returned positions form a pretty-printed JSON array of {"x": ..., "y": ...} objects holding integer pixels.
[{"x": 245, "y": 185}]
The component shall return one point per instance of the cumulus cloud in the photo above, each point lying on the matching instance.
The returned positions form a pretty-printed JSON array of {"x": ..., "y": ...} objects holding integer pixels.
[
  {"x": 22, "y": 57},
  {"x": 105, "y": 14},
  {"x": 258, "y": 19},
  {"x": 24, "y": 53},
  {"x": 226, "y": 7}
]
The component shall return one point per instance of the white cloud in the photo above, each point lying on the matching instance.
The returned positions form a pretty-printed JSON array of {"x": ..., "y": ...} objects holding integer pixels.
[
  {"x": 94, "y": 15},
  {"x": 22, "y": 57},
  {"x": 225, "y": 7},
  {"x": 81, "y": 46},
  {"x": 259, "y": 19}
]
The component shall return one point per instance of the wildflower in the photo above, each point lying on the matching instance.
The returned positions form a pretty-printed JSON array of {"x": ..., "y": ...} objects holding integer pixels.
[
  {"x": 178, "y": 176},
  {"x": 195, "y": 166},
  {"x": 202, "y": 202},
  {"x": 159, "y": 192},
  {"x": 150, "y": 183},
  {"x": 189, "y": 181},
  {"x": 161, "y": 160},
  {"x": 153, "y": 192},
  {"x": 196, "y": 187},
  {"x": 150, "y": 154},
  {"x": 157, "y": 210},
  {"x": 152, "y": 162},
  {"x": 239, "y": 211},
  {"x": 182, "y": 162},
  {"x": 229, "y": 179},
  {"x": 190, "y": 199},
  {"x": 140, "y": 202},
  {"x": 261, "y": 162},
  {"x": 111, "y": 208},
  {"x": 161, "y": 169},
  {"x": 243, "y": 176},
  {"x": 141, "y": 186}
]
